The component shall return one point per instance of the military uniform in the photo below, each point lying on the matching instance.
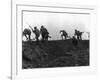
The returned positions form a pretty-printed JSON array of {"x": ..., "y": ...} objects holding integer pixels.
[
  {"x": 44, "y": 33},
  {"x": 37, "y": 33}
]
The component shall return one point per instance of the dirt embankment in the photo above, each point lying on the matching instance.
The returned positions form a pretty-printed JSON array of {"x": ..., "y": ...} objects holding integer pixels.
[{"x": 54, "y": 54}]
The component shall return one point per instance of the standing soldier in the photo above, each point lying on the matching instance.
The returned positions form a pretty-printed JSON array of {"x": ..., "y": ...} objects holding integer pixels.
[{"x": 44, "y": 33}]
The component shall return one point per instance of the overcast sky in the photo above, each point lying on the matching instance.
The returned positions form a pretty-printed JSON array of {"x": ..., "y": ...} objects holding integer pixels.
[{"x": 54, "y": 22}]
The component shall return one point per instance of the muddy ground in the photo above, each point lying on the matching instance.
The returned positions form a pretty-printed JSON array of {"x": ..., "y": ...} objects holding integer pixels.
[{"x": 59, "y": 53}]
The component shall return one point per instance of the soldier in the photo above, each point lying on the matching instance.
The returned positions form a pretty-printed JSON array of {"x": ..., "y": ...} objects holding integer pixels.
[
  {"x": 27, "y": 32},
  {"x": 44, "y": 33},
  {"x": 64, "y": 34},
  {"x": 78, "y": 34},
  {"x": 37, "y": 33}
]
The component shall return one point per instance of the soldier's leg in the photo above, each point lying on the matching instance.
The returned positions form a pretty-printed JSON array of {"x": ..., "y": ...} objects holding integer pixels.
[
  {"x": 46, "y": 37},
  {"x": 26, "y": 37},
  {"x": 81, "y": 37},
  {"x": 78, "y": 37},
  {"x": 62, "y": 37},
  {"x": 43, "y": 36},
  {"x": 65, "y": 37},
  {"x": 37, "y": 40},
  {"x": 29, "y": 37}
]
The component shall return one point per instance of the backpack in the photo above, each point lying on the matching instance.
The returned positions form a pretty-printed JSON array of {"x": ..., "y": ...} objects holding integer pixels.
[{"x": 44, "y": 30}]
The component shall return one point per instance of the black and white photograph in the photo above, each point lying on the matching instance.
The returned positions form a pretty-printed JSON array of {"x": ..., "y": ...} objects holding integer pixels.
[{"x": 53, "y": 39}]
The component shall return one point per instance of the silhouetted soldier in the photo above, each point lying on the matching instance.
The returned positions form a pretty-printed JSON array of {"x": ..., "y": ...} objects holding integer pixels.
[
  {"x": 64, "y": 34},
  {"x": 44, "y": 33},
  {"x": 78, "y": 34},
  {"x": 37, "y": 33},
  {"x": 27, "y": 32}
]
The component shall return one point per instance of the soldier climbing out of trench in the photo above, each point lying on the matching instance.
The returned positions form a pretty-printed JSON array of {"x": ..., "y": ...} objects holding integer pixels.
[
  {"x": 44, "y": 33},
  {"x": 64, "y": 34},
  {"x": 27, "y": 33},
  {"x": 36, "y": 32}
]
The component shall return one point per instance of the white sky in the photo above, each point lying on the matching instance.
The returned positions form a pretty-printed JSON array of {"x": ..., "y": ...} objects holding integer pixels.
[{"x": 55, "y": 22}]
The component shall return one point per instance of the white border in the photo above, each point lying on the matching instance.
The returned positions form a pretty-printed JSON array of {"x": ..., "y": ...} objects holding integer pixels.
[{"x": 17, "y": 71}]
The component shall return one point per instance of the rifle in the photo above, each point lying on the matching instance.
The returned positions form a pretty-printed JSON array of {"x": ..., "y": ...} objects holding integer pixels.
[{"x": 31, "y": 28}]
